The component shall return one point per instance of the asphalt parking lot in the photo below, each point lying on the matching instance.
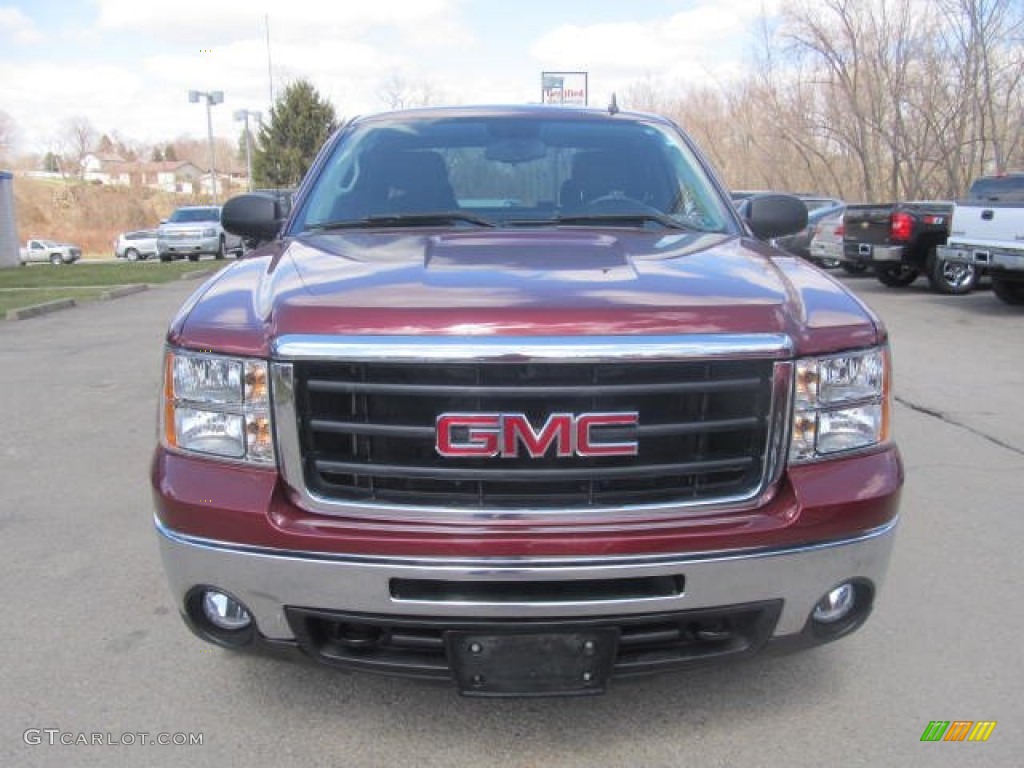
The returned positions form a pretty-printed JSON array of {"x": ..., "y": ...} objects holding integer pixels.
[{"x": 92, "y": 644}]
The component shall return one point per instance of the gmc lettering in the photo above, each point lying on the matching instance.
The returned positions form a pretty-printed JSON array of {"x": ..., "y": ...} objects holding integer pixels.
[{"x": 509, "y": 435}]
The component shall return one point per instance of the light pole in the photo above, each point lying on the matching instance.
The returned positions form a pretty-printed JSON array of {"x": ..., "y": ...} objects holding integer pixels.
[
  {"x": 212, "y": 99},
  {"x": 245, "y": 114}
]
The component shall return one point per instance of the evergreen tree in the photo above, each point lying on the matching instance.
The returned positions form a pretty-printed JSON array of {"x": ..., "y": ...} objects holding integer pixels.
[
  {"x": 158, "y": 154},
  {"x": 299, "y": 124}
]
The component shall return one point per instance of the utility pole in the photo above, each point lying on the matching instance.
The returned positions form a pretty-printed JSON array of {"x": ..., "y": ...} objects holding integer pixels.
[
  {"x": 212, "y": 99},
  {"x": 270, "y": 67},
  {"x": 245, "y": 114}
]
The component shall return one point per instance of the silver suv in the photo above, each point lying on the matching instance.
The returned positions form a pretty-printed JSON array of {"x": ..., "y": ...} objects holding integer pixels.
[
  {"x": 135, "y": 246},
  {"x": 194, "y": 230}
]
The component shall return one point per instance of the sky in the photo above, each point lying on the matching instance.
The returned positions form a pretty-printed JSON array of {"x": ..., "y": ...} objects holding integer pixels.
[{"x": 127, "y": 65}]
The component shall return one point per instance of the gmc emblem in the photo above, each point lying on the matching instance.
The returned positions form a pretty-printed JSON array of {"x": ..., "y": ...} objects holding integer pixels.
[{"x": 509, "y": 435}]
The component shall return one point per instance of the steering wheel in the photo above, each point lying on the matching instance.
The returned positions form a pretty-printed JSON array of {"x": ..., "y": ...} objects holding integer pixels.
[{"x": 620, "y": 204}]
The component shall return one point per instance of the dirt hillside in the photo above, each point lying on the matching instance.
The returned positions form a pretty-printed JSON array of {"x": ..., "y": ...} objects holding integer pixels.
[{"x": 89, "y": 215}]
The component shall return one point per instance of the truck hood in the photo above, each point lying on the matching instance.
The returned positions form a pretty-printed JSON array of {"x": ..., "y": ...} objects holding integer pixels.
[{"x": 557, "y": 282}]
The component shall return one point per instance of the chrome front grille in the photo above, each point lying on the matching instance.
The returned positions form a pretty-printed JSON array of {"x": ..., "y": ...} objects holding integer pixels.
[
  {"x": 182, "y": 234},
  {"x": 364, "y": 431}
]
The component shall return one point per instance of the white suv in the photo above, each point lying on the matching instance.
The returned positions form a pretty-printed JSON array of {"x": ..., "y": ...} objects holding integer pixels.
[{"x": 135, "y": 246}]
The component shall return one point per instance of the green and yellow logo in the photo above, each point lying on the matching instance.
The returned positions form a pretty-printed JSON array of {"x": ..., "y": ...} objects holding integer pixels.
[{"x": 958, "y": 730}]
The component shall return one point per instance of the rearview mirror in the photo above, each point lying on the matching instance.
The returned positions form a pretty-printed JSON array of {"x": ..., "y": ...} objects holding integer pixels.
[{"x": 516, "y": 150}]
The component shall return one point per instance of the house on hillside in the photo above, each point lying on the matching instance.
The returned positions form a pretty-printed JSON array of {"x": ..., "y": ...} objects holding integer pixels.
[
  {"x": 105, "y": 168},
  {"x": 168, "y": 175}
]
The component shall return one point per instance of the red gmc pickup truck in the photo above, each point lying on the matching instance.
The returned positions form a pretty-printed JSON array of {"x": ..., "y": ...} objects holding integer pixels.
[{"x": 514, "y": 399}]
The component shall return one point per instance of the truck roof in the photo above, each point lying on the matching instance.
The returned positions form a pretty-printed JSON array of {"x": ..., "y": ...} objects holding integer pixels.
[
  {"x": 547, "y": 111},
  {"x": 1005, "y": 188}
]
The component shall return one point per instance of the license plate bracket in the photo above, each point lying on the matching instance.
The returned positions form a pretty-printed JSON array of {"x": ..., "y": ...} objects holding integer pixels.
[{"x": 560, "y": 663}]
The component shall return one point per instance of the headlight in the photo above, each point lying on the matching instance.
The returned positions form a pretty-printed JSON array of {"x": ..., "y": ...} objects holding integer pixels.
[
  {"x": 217, "y": 406},
  {"x": 211, "y": 232},
  {"x": 841, "y": 403}
]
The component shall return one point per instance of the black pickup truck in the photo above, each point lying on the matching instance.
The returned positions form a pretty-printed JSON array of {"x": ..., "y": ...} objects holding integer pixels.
[{"x": 898, "y": 241}]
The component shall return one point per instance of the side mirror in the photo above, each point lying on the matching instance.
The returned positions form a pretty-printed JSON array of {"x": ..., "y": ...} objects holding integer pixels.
[
  {"x": 256, "y": 216},
  {"x": 774, "y": 215}
]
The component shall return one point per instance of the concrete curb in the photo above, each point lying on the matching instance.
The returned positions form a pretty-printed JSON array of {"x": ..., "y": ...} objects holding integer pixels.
[
  {"x": 35, "y": 310},
  {"x": 123, "y": 290},
  {"x": 23, "y": 313}
]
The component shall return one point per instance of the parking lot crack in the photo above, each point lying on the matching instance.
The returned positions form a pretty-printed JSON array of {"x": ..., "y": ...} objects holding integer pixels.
[{"x": 947, "y": 419}]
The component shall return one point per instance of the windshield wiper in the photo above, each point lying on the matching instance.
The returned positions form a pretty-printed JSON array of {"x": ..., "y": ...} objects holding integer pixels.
[
  {"x": 608, "y": 218},
  {"x": 403, "y": 220}
]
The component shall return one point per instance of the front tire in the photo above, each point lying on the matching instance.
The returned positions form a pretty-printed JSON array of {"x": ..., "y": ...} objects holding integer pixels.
[
  {"x": 220, "y": 249},
  {"x": 55, "y": 259},
  {"x": 896, "y": 275},
  {"x": 131, "y": 254},
  {"x": 193, "y": 257},
  {"x": 951, "y": 277},
  {"x": 1008, "y": 291}
]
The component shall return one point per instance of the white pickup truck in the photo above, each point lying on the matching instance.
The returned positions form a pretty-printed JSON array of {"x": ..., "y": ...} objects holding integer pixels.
[
  {"x": 987, "y": 232},
  {"x": 48, "y": 250}
]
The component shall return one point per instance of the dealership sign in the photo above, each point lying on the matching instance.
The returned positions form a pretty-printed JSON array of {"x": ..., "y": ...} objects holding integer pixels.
[{"x": 569, "y": 88}]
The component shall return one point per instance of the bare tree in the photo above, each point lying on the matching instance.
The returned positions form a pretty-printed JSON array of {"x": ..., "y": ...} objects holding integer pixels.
[
  {"x": 8, "y": 135},
  {"x": 983, "y": 39},
  {"x": 197, "y": 151},
  {"x": 399, "y": 92},
  {"x": 79, "y": 139},
  {"x": 866, "y": 99}
]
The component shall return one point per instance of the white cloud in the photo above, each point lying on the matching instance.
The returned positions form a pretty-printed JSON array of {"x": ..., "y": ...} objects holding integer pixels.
[
  {"x": 704, "y": 43},
  {"x": 90, "y": 91},
  {"x": 18, "y": 26},
  {"x": 130, "y": 70},
  {"x": 347, "y": 50},
  {"x": 225, "y": 20}
]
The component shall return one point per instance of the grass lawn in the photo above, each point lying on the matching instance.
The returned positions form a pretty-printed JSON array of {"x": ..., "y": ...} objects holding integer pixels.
[
  {"x": 115, "y": 273},
  {"x": 16, "y": 299},
  {"x": 39, "y": 283}
]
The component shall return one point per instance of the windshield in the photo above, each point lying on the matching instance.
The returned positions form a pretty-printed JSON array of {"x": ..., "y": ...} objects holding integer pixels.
[
  {"x": 1007, "y": 189},
  {"x": 183, "y": 215},
  {"x": 512, "y": 170}
]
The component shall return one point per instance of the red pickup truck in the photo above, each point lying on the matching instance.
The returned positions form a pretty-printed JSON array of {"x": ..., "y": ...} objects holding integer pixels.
[{"x": 513, "y": 398}]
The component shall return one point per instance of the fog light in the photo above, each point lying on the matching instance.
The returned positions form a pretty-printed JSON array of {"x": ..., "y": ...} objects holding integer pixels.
[
  {"x": 836, "y": 605},
  {"x": 224, "y": 612}
]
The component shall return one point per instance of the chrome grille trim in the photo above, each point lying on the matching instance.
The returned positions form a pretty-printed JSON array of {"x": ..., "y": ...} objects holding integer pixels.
[{"x": 462, "y": 349}]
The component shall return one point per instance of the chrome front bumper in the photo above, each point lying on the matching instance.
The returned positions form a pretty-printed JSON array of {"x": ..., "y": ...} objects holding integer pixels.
[
  {"x": 268, "y": 580},
  {"x": 189, "y": 245}
]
